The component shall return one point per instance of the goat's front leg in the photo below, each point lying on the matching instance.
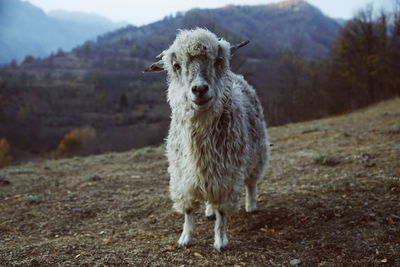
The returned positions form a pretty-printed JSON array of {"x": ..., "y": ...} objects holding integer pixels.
[
  {"x": 220, "y": 236},
  {"x": 188, "y": 227},
  {"x": 251, "y": 197}
]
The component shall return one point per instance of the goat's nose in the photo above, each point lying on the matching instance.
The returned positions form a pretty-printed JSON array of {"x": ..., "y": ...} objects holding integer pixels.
[{"x": 199, "y": 90}]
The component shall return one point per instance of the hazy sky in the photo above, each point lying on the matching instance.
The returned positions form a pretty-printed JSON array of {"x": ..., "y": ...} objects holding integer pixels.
[{"x": 146, "y": 11}]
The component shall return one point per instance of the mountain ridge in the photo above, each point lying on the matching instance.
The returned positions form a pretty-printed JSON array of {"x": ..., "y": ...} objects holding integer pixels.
[
  {"x": 25, "y": 29},
  {"x": 260, "y": 26},
  {"x": 85, "y": 18}
]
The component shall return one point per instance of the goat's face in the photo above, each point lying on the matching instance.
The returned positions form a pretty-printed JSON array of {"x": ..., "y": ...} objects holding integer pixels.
[
  {"x": 197, "y": 74},
  {"x": 197, "y": 63}
]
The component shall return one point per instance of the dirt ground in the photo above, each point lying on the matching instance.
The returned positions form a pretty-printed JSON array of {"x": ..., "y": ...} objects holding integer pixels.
[{"x": 330, "y": 198}]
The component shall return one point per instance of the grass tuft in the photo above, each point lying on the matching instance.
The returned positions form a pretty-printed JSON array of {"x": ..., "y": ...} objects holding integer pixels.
[
  {"x": 20, "y": 171},
  {"x": 143, "y": 151},
  {"x": 93, "y": 177},
  {"x": 325, "y": 160},
  {"x": 31, "y": 199}
]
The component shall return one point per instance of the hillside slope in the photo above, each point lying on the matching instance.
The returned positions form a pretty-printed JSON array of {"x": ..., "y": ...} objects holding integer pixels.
[{"x": 330, "y": 198}]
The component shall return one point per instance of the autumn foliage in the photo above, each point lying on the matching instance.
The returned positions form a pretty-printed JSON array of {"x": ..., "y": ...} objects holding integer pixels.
[
  {"x": 5, "y": 157},
  {"x": 366, "y": 57},
  {"x": 75, "y": 141}
]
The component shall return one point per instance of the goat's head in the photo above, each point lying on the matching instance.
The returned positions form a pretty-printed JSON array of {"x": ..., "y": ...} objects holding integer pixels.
[{"x": 197, "y": 63}]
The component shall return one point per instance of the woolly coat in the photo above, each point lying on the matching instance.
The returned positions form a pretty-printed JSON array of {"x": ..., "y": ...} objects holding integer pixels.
[{"x": 213, "y": 153}]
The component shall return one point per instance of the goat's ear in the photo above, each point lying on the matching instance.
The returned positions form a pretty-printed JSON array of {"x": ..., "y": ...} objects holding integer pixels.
[
  {"x": 236, "y": 47},
  {"x": 156, "y": 66}
]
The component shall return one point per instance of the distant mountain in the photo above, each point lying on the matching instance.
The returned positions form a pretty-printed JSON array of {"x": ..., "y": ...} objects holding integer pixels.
[
  {"x": 293, "y": 24},
  {"x": 341, "y": 21},
  {"x": 27, "y": 30},
  {"x": 93, "y": 24},
  {"x": 100, "y": 83}
]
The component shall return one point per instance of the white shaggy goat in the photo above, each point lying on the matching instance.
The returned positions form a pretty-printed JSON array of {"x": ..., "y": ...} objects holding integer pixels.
[{"x": 217, "y": 141}]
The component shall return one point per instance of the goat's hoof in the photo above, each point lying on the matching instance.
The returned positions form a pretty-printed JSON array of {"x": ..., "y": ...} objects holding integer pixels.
[
  {"x": 220, "y": 248},
  {"x": 184, "y": 244},
  {"x": 221, "y": 244},
  {"x": 184, "y": 241},
  {"x": 251, "y": 208},
  {"x": 210, "y": 213},
  {"x": 210, "y": 217}
]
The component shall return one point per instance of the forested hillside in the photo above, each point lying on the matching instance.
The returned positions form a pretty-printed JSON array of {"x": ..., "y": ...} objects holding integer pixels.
[{"x": 302, "y": 64}]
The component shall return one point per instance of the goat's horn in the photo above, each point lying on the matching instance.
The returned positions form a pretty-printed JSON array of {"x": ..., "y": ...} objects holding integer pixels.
[
  {"x": 156, "y": 66},
  {"x": 236, "y": 47},
  {"x": 160, "y": 56}
]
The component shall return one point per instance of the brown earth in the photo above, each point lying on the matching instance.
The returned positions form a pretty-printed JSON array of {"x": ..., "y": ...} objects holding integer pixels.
[{"x": 331, "y": 198}]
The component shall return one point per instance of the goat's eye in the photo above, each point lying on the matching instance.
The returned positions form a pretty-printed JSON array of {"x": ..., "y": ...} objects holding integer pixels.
[{"x": 177, "y": 66}]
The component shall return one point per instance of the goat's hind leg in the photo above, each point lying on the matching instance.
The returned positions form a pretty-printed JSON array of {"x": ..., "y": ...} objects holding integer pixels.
[
  {"x": 220, "y": 235},
  {"x": 210, "y": 213},
  {"x": 188, "y": 228},
  {"x": 251, "y": 196}
]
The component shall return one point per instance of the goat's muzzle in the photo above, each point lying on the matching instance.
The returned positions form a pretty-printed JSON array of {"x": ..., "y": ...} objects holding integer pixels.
[
  {"x": 202, "y": 101},
  {"x": 200, "y": 91},
  {"x": 201, "y": 96}
]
